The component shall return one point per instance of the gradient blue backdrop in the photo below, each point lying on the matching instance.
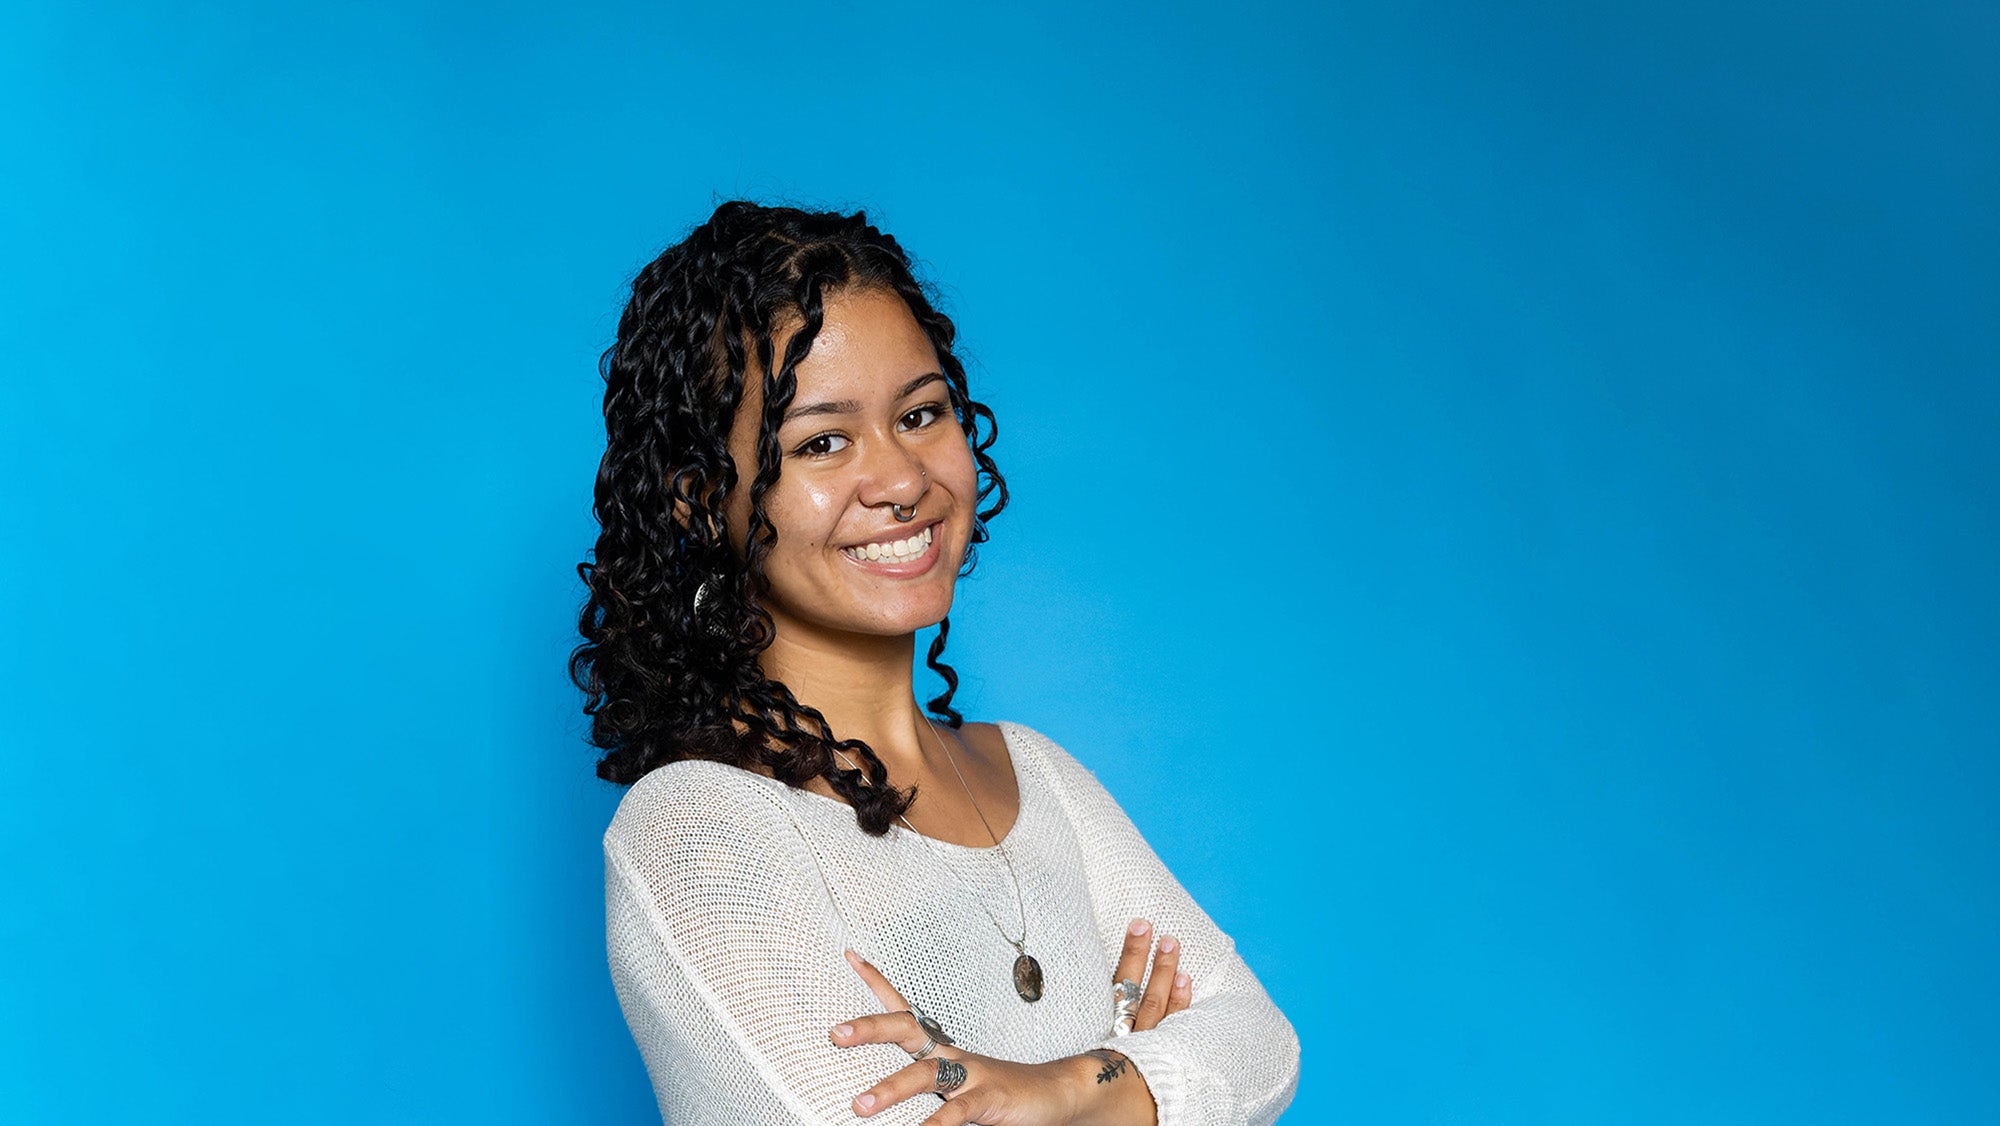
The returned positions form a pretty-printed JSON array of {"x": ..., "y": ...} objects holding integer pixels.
[{"x": 1503, "y": 495}]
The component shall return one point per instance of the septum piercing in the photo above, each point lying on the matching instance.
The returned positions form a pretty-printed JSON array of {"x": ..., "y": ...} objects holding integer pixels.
[{"x": 898, "y": 511}]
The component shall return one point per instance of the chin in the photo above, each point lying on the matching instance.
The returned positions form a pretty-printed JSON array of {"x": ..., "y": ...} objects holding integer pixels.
[
  {"x": 867, "y": 617},
  {"x": 910, "y": 620}
]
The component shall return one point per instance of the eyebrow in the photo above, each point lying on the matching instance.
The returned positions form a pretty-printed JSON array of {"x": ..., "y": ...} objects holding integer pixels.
[{"x": 849, "y": 406}]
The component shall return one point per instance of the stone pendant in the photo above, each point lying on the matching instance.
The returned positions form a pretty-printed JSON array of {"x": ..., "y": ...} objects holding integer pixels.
[{"x": 1028, "y": 978}]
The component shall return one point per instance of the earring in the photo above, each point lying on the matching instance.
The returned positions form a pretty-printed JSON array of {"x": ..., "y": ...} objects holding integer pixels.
[{"x": 712, "y": 628}]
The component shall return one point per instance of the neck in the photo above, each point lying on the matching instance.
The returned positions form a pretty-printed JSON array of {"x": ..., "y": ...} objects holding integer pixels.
[{"x": 863, "y": 686}]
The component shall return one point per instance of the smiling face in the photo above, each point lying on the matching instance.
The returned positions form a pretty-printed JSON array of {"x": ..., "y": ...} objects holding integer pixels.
[{"x": 869, "y": 431}]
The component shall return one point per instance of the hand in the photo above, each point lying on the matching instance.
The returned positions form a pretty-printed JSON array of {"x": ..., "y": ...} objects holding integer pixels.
[
  {"x": 1168, "y": 991},
  {"x": 980, "y": 1088}
]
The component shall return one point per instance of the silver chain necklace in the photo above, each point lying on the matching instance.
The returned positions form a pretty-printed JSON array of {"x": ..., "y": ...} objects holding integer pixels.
[{"x": 1027, "y": 971}]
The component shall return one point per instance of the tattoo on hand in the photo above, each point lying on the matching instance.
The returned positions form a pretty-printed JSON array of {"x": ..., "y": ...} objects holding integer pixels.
[{"x": 1114, "y": 1064}]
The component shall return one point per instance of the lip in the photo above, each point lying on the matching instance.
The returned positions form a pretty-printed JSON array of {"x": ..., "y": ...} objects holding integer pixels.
[{"x": 907, "y": 568}]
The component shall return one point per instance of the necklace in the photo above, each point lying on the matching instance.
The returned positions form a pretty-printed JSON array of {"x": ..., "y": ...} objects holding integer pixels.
[{"x": 1027, "y": 971}]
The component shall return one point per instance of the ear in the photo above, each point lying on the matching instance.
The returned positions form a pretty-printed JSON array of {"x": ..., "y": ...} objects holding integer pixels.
[
  {"x": 684, "y": 516},
  {"x": 685, "y": 482}
]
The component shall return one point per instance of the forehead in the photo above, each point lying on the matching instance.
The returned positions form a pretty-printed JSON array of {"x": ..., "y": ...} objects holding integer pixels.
[
  {"x": 866, "y": 337},
  {"x": 869, "y": 346}
]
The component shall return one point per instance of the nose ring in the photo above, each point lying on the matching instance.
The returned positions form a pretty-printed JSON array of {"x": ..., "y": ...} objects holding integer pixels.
[{"x": 906, "y": 513}]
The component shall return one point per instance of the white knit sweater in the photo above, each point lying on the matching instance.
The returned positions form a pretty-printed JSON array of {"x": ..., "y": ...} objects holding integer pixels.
[{"x": 729, "y": 897}]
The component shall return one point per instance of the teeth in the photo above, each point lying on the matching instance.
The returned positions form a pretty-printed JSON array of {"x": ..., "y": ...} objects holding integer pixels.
[{"x": 894, "y": 550}]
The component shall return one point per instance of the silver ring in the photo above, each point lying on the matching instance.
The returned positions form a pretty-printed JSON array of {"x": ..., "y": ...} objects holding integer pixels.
[
  {"x": 902, "y": 516},
  {"x": 950, "y": 1075},
  {"x": 930, "y": 1025},
  {"x": 1125, "y": 999},
  {"x": 930, "y": 1045}
]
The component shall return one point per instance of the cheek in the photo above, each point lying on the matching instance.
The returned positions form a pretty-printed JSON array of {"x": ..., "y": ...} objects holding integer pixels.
[
  {"x": 956, "y": 469},
  {"x": 805, "y": 514}
]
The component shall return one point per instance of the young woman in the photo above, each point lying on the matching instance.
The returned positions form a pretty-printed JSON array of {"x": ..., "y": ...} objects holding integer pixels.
[{"x": 823, "y": 905}]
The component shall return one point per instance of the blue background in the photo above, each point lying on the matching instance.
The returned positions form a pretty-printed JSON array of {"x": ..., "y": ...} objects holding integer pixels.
[{"x": 1504, "y": 497}]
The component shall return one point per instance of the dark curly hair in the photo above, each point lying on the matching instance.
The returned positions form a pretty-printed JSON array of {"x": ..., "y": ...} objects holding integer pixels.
[{"x": 668, "y": 676}]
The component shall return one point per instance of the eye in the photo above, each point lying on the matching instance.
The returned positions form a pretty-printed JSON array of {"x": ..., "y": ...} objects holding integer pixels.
[
  {"x": 923, "y": 416},
  {"x": 821, "y": 445}
]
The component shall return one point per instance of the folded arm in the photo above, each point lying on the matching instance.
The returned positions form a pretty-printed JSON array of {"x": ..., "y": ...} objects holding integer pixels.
[
  {"x": 726, "y": 954},
  {"x": 1230, "y": 1058}
]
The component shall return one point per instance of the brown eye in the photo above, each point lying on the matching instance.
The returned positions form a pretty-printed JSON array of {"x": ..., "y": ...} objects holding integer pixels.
[
  {"x": 821, "y": 445},
  {"x": 923, "y": 416}
]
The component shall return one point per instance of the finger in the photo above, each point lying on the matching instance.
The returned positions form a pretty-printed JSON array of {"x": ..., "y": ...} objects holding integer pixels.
[
  {"x": 1182, "y": 995},
  {"x": 954, "y": 1112},
  {"x": 937, "y": 1075},
  {"x": 877, "y": 984},
  {"x": 898, "y": 1028},
  {"x": 1165, "y": 964},
  {"x": 1132, "y": 959}
]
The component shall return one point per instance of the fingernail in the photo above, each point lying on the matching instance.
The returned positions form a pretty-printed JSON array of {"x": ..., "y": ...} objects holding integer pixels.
[
  {"x": 1181, "y": 980},
  {"x": 844, "y": 1030},
  {"x": 867, "y": 1102},
  {"x": 851, "y": 956},
  {"x": 1169, "y": 944},
  {"x": 1140, "y": 926}
]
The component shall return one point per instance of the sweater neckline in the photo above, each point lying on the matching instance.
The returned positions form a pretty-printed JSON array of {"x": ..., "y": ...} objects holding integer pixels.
[{"x": 1020, "y": 789}]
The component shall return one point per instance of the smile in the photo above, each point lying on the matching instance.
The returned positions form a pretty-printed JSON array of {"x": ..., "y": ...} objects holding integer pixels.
[{"x": 893, "y": 551}]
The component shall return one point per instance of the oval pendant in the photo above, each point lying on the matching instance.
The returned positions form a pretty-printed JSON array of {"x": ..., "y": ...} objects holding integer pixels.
[{"x": 1028, "y": 978}]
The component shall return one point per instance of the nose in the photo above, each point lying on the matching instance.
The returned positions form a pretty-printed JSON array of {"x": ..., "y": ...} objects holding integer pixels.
[{"x": 894, "y": 475}]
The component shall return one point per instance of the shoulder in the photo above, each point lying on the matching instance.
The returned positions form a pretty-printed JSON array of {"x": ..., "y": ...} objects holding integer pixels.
[
  {"x": 698, "y": 807},
  {"x": 1034, "y": 750},
  {"x": 710, "y": 858},
  {"x": 1007, "y": 734}
]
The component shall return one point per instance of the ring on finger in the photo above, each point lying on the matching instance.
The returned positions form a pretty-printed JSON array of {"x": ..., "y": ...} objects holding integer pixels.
[
  {"x": 929, "y": 1024},
  {"x": 950, "y": 1075},
  {"x": 1125, "y": 995},
  {"x": 930, "y": 1045}
]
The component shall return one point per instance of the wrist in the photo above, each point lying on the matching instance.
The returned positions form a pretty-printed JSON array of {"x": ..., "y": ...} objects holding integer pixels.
[
  {"x": 1078, "y": 1077},
  {"x": 1105, "y": 1089}
]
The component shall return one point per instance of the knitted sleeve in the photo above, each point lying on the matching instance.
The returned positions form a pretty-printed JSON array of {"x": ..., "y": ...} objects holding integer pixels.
[
  {"x": 1230, "y": 1058},
  {"x": 725, "y": 950}
]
